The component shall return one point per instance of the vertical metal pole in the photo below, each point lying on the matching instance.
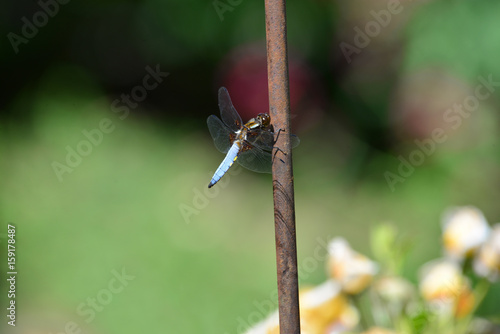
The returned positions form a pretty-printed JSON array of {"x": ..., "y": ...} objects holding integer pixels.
[{"x": 284, "y": 207}]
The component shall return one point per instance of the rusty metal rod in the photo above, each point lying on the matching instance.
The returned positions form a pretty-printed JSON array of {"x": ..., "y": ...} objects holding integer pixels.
[{"x": 284, "y": 205}]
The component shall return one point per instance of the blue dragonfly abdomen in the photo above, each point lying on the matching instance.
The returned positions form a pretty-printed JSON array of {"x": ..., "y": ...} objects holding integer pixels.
[{"x": 228, "y": 161}]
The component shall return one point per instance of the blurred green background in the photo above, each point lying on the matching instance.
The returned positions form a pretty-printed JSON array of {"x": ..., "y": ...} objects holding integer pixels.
[{"x": 199, "y": 260}]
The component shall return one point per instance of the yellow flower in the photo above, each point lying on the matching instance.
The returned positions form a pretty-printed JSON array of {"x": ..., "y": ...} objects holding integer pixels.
[
  {"x": 348, "y": 320},
  {"x": 464, "y": 230},
  {"x": 444, "y": 287},
  {"x": 465, "y": 302},
  {"x": 351, "y": 269},
  {"x": 324, "y": 309},
  {"x": 487, "y": 260},
  {"x": 378, "y": 330}
]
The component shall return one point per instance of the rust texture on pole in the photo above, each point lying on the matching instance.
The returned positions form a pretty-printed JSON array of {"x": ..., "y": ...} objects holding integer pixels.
[{"x": 284, "y": 207}]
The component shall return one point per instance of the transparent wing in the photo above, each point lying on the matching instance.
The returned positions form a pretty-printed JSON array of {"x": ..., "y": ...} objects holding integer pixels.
[
  {"x": 229, "y": 115},
  {"x": 295, "y": 141},
  {"x": 262, "y": 139},
  {"x": 220, "y": 133},
  {"x": 256, "y": 153},
  {"x": 256, "y": 160}
]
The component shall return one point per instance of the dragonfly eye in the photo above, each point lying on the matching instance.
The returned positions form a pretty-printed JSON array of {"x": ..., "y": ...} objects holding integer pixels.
[{"x": 265, "y": 119}]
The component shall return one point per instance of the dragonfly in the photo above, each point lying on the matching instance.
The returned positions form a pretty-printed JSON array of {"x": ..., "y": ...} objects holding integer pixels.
[{"x": 250, "y": 143}]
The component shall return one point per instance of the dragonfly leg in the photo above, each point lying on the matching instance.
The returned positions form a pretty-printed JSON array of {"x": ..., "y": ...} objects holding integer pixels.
[
  {"x": 278, "y": 135},
  {"x": 277, "y": 148},
  {"x": 279, "y": 158},
  {"x": 276, "y": 152}
]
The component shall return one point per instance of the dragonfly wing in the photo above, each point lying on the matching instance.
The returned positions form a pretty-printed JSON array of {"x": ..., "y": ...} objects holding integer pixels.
[
  {"x": 256, "y": 153},
  {"x": 295, "y": 141},
  {"x": 220, "y": 133},
  {"x": 262, "y": 139},
  {"x": 255, "y": 159},
  {"x": 265, "y": 139},
  {"x": 229, "y": 115}
]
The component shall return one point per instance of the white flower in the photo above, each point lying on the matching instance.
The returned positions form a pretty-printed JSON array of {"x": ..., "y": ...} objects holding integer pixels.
[
  {"x": 325, "y": 309},
  {"x": 464, "y": 230},
  {"x": 351, "y": 269},
  {"x": 267, "y": 326},
  {"x": 394, "y": 289},
  {"x": 487, "y": 261},
  {"x": 445, "y": 288}
]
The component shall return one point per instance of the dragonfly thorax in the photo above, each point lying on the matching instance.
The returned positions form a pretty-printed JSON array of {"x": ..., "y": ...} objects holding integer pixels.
[
  {"x": 241, "y": 135},
  {"x": 261, "y": 121}
]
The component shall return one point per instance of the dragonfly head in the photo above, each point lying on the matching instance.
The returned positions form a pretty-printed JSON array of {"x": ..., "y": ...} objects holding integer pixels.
[{"x": 264, "y": 119}]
